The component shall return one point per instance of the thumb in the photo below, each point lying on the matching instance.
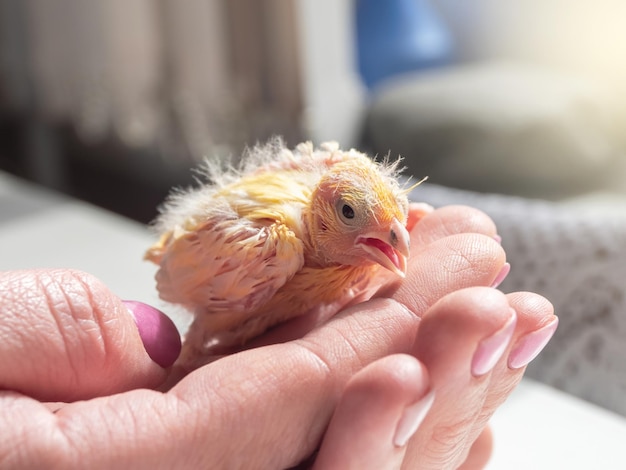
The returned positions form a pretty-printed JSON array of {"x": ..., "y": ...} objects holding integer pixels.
[{"x": 64, "y": 336}]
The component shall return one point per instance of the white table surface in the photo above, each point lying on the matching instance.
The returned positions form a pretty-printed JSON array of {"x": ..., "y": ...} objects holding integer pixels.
[{"x": 537, "y": 428}]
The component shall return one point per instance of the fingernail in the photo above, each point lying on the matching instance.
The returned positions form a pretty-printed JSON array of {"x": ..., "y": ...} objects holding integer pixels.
[
  {"x": 504, "y": 272},
  {"x": 530, "y": 345},
  {"x": 490, "y": 349},
  {"x": 157, "y": 331},
  {"x": 498, "y": 238},
  {"x": 412, "y": 418}
]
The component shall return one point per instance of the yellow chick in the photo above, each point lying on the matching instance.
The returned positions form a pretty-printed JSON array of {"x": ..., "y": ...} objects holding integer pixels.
[{"x": 286, "y": 233}]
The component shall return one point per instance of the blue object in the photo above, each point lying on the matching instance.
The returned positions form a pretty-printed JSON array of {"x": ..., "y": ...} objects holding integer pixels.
[{"x": 398, "y": 36}]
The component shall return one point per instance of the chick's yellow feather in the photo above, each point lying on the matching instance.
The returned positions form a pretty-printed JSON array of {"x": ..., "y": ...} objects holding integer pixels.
[{"x": 286, "y": 233}]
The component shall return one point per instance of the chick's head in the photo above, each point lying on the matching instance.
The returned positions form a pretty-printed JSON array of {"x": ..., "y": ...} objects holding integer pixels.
[{"x": 358, "y": 215}]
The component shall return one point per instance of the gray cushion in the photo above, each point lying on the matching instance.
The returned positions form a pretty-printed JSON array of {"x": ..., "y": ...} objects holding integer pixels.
[{"x": 497, "y": 127}]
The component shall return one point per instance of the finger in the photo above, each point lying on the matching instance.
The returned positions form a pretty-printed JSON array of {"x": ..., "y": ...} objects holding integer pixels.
[
  {"x": 445, "y": 265},
  {"x": 480, "y": 452},
  {"x": 452, "y": 220},
  {"x": 65, "y": 337},
  {"x": 417, "y": 211},
  {"x": 460, "y": 340},
  {"x": 380, "y": 409},
  {"x": 536, "y": 324}
]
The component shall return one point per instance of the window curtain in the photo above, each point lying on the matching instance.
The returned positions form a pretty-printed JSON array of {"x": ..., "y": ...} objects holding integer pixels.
[{"x": 182, "y": 78}]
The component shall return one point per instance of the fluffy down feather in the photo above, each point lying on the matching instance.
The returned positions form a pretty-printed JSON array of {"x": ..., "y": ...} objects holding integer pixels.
[{"x": 283, "y": 234}]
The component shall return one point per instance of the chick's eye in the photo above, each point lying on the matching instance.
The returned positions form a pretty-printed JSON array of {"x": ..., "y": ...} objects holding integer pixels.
[{"x": 347, "y": 211}]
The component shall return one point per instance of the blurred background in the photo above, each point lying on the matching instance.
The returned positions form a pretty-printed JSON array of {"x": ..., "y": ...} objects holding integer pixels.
[{"x": 113, "y": 101}]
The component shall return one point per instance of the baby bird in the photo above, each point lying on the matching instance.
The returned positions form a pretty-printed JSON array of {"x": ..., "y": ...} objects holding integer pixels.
[{"x": 284, "y": 234}]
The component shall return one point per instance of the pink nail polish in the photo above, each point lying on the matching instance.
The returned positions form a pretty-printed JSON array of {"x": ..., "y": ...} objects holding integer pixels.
[
  {"x": 158, "y": 333},
  {"x": 504, "y": 272},
  {"x": 412, "y": 418},
  {"x": 490, "y": 349},
  {"x": 529, "y": 346}
]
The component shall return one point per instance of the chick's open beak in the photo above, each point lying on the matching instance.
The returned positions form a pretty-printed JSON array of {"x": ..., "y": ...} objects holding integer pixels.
[{"x": 389, "y": 248}]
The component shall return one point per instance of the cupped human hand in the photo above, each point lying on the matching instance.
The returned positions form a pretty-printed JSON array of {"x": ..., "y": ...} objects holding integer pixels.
[{"x": 406, "y": 379}]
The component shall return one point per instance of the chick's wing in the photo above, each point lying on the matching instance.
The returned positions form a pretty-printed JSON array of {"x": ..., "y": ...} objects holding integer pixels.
[{"x": 226, "y": 262}]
